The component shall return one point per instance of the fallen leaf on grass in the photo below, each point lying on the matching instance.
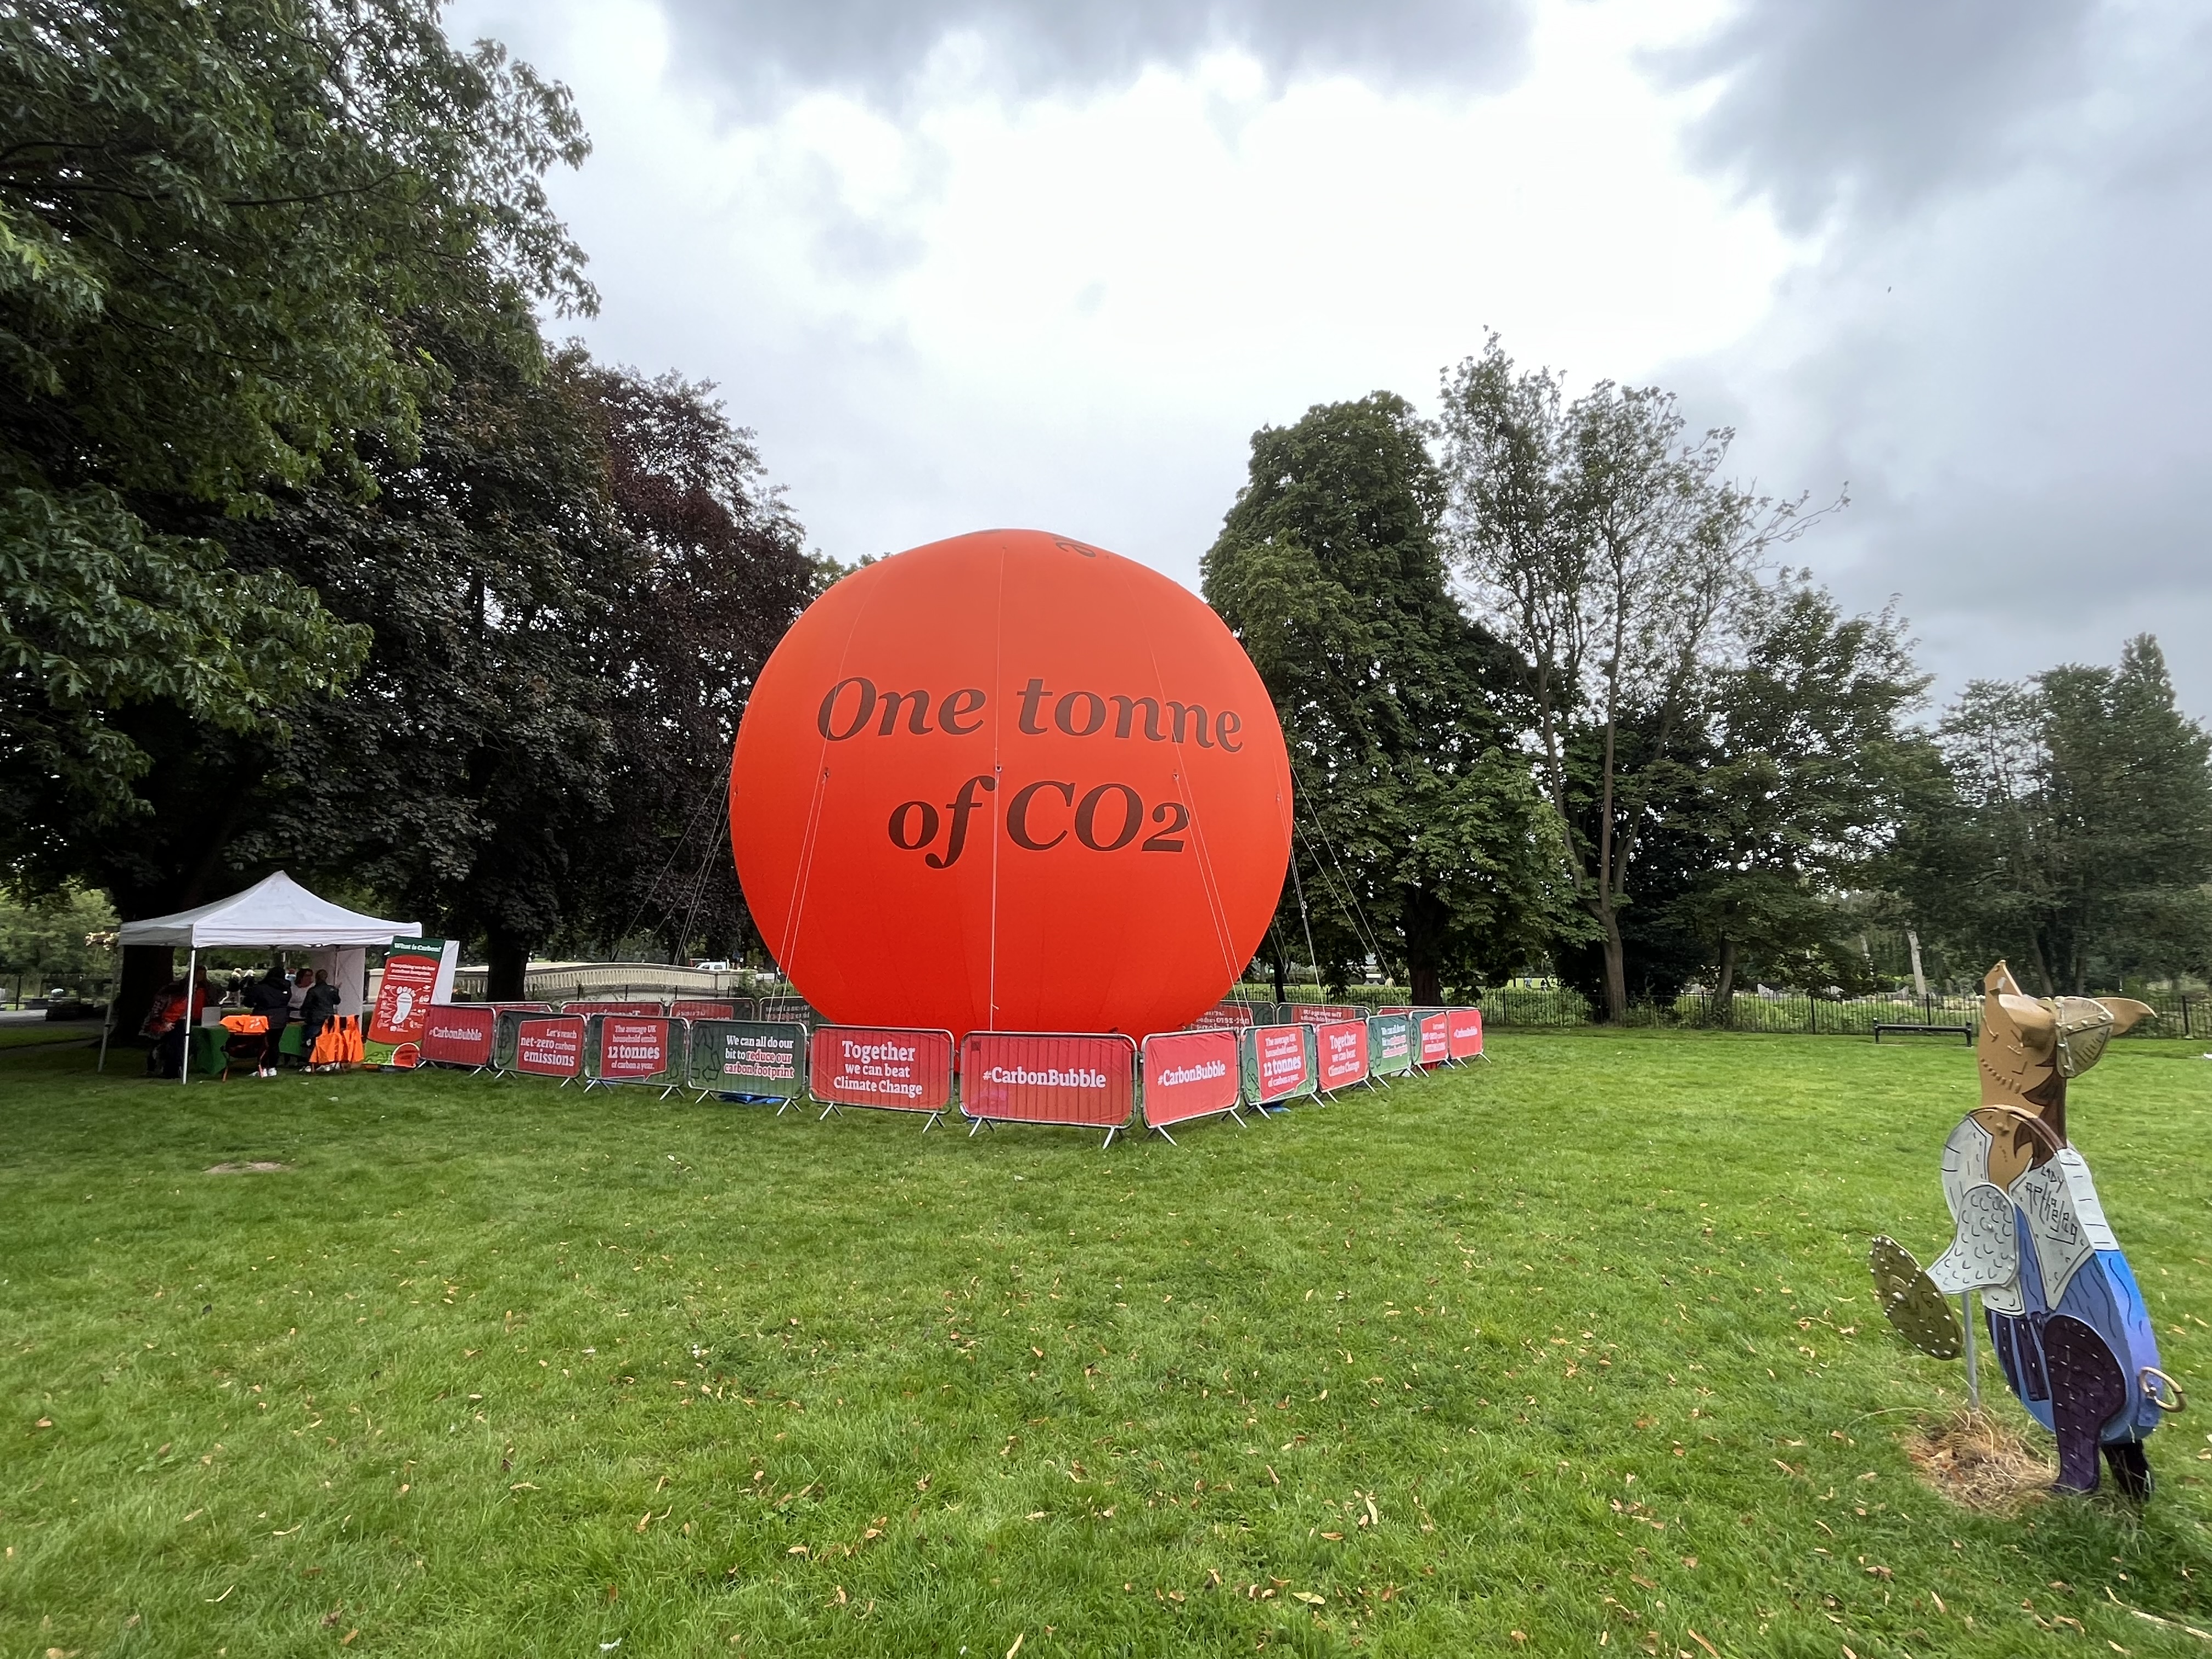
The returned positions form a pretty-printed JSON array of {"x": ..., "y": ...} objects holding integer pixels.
[
  {"x": 346, "y": 1641},
  {"x": 1309, "y": 1598}
]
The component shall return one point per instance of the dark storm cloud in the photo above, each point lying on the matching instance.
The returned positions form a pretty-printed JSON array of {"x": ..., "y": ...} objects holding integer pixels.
[
  {"x": 873, "y": 48},
  {"x": 2002, "y": 343},
  {"x": 1876, "y": 104}
]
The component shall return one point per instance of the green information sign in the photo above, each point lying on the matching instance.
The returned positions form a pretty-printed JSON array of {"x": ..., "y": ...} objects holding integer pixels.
[
  {"x": 1389, "y": 1044},
  {"x": 761, "y": 1057}
]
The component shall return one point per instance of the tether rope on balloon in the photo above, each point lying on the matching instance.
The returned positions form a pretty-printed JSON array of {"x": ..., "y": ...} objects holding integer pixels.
[
  {"x": 1349, "y": 898},
  {"x": 715, "y": 843},
  {"x": 652, "y": 888}
]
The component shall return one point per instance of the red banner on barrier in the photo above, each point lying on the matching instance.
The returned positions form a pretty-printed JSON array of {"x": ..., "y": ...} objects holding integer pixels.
[
  {"x": 1040, "y": 1078},
  {"x": 551, "y": 1048},
  {"x": 640, "y": 1007},
  {"x": 1343, "y": 1053},
  {"x": 459, "y": 1034},
  {"x": 702, "y": 1011},
  {"x": 1190, "y": 1075},
  {"x": 1279, "y": 1068},
  {"x": 1224, "y": 1016},
  {"x": 630, "y": 1049},
  {"x": 896, "y": 1069},
  {"x": 1324, "y": 1013},
  {"x": 1464, "y": 1032},
  {"x": 1436, "y": 1039},
  {"x": 412, "y": 969}
]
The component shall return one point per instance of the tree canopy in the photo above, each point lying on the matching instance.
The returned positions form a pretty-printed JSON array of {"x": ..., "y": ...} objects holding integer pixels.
[
  {"x": 210, "y": 218},
  {"x": 2072, "y": 830},
  {"x": 1805, "y": 769},
  {"x": 1615, "y": 561},
  {"x": 315, "y": 554},
  {"x": 1415, "y": 839}
]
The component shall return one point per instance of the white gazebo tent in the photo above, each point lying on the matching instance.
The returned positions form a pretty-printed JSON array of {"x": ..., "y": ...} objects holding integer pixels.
[{"x": 274, "y": 912}]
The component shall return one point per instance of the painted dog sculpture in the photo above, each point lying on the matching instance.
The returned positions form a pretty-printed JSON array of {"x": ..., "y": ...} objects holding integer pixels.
[{"x": 2066, "y": 1318}]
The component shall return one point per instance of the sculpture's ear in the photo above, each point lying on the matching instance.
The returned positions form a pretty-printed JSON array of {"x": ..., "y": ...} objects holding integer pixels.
[
  {"x": 2000, "y": 980},
  {"x": 2125, "y": 1012}
]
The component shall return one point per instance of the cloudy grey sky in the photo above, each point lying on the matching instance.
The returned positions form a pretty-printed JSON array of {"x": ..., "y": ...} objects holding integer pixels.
[{"x": 965, "y": 263}]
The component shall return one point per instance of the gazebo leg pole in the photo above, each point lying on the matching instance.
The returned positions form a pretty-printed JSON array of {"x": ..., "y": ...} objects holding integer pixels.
[
  {"x": 191, "y": 980},
  {"x": 107, "y": 1025}
]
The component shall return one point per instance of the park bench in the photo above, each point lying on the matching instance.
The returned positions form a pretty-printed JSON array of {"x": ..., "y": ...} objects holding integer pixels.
[{"x": 1914, "y": 1028}]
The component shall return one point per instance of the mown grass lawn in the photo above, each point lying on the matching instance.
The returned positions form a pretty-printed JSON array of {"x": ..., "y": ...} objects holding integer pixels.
[
  {"x": 1570, "y": 1353},
  {"x": 38, "y": 1033}
]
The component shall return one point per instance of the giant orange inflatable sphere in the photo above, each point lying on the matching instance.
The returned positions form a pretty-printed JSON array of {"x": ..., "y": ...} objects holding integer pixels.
[{"x": 1010, "y": 782}]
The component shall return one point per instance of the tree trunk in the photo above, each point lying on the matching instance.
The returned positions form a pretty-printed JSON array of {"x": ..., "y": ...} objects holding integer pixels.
[
  {"x": 146, "y": 970},
  {"x": 1724, "y": 993},
  {"x": 2043, "y": 966},
  {"x": 1616, "y": 969},
  {"x": 1428, "y": 988},
  {"x": 507, "y": 964},
  {"x": 1282, "y": 991}
]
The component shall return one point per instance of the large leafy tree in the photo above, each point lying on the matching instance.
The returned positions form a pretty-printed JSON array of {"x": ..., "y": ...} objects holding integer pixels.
[
  {"x": 572, "y": 584},
  {"x": 1661, "y": 950},
  {"x": 2074, "y": 837},
  {"x": 1808, "y": 769},
  {"x": 1613, "y": 557},
  {"x": 716, "y": 571},
  {"x": 65, "y": 939},
  {"x": 465, "y": 774},
  {"x": 211, "y": 219},
  {"x": 1414, "y": 812},
  {"x": 216, "y": 227}
]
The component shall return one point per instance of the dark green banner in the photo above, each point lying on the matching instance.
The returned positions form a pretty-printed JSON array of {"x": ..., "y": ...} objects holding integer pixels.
[
  {"x": 1389, "y": 1044},
  {"x": 749, "y": 1057}
]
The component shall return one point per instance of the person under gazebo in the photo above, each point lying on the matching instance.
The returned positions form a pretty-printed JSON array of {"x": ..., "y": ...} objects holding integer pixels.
[
  {"x": 270, "y": 996},
  {"x": 317, "y": 1010},
  {"x": 171, "y": 1023}
]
